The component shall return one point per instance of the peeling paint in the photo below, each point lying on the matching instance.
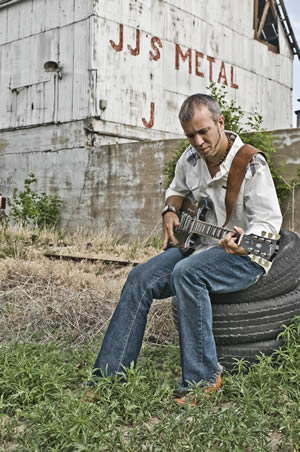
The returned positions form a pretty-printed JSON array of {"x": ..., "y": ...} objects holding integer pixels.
[
  {"x": 3, "y": 145},
  {"x": 63, "y": 140}
]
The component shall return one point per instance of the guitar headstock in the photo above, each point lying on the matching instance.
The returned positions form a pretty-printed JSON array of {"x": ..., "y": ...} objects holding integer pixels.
[{"x": 261, "y": 247}]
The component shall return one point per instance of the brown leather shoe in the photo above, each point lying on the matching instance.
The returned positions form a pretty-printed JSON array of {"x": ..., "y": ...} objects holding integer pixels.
[
  {"x": 187, "y": 399},
  {"x": 91, "y": 397}
]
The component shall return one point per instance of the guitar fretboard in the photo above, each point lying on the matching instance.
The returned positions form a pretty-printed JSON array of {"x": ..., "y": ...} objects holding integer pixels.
[
  {"x": 261, "y": 247},
  {"x": 192, "y": 225}
]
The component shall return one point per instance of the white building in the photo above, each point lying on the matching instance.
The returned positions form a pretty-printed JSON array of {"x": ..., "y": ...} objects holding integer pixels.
[{"x": 79, "y": 74}]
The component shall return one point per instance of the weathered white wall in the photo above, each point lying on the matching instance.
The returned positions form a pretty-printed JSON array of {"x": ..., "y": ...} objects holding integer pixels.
[
  {"x": 139, "y": 48},
  {"x": 31, "y": 33},
  {"x": 142, "y": 57}
]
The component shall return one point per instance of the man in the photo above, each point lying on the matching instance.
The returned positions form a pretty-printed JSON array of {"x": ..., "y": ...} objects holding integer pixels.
[{"x": 224, "y": 266}]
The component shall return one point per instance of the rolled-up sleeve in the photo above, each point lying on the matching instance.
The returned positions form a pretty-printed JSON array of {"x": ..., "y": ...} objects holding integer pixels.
[{"x": 178, "y": 186}]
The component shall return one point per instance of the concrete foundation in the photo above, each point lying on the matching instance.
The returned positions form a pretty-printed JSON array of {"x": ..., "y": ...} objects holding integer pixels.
[{"x": 118, "y": 186}]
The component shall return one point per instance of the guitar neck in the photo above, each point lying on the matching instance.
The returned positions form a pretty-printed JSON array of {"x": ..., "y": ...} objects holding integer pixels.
[
  {"x": 192, "y": 225},
  {"x": 261, "y": 247}
]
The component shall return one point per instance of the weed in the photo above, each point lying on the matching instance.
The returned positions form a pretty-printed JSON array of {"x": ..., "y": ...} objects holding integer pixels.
[
  {"x": 33, "y": 209},
  {"x": 43, "y": 408}
]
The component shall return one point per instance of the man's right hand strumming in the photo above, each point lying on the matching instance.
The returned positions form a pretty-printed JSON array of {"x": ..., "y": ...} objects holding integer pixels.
[{"x": 170, "y": 221}]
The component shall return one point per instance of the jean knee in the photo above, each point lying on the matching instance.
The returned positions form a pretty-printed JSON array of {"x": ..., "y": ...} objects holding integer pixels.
[
  {"x": 181, "y": 273},
  {"x": 136, "y": 276}
]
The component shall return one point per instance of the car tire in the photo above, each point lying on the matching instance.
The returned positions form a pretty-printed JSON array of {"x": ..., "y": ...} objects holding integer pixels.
[
  {"x": 283, "y": 277},
  {"x": 255, "y": 321},
  {"x": 251, "y": 322},
  {"x": 228, "y": 355}
]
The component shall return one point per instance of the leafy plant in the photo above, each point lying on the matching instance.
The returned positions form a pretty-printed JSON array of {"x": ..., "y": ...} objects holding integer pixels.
[
  {"x": 34, "y": 209},
  {"x": 250, "y": 130}
]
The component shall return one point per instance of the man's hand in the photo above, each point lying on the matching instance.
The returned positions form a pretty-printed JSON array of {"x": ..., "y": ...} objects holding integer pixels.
[
  {"x": 228, "y": 243},
  {"x": 170, "y": 220}
]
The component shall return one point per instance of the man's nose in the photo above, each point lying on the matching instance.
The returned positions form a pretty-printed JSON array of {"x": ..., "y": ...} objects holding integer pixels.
[{"x": 198, "y": 140}]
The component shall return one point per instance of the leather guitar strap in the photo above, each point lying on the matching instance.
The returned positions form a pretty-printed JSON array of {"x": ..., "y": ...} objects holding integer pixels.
[{"x": 236, "y": 176}]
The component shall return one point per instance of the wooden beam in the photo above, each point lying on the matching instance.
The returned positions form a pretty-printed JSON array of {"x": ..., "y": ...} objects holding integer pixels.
[
  {"x": 115, "y": 262},
  {"x": 255, "y": 18},
  {"x": 263, "y": 19}
]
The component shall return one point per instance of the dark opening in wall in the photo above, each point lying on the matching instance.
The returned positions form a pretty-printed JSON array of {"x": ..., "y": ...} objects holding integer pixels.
[{"x": 266, "y": 24}]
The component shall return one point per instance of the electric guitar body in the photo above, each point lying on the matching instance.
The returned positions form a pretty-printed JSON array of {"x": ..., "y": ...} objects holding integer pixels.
[{"x": 262, "y": 248}]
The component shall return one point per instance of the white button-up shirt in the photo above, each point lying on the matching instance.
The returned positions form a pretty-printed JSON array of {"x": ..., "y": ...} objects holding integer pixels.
[{"x": 256, "y": 209}]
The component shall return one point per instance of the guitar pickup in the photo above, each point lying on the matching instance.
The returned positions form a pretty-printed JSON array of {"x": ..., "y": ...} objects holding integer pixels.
[{"x": 261, "y": 261}]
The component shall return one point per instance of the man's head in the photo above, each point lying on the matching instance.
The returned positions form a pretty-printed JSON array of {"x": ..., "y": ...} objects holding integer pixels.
[
  {"x": 203, "y": 124},
  {"x": 198, "y": 101}
]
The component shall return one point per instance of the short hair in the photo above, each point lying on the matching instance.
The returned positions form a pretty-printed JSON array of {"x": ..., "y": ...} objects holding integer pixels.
[{"x": 187, "y": 109}]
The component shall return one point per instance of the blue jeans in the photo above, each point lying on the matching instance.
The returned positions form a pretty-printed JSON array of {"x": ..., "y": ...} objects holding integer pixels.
[{"x": 191, "y": 279}]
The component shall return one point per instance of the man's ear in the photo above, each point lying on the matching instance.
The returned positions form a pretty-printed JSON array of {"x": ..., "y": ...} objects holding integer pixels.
[{"x": 221, "y": 122}]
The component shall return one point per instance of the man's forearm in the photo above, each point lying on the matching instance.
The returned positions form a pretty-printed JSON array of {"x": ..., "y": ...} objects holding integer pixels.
[{"x": 175, "y": 201}]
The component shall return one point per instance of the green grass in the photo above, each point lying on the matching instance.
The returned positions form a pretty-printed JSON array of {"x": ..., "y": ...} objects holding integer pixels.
[{"x": 42, "y": 407}]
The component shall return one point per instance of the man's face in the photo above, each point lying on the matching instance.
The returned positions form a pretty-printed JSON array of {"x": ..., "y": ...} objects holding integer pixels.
[{"x": 204, "y": 134}]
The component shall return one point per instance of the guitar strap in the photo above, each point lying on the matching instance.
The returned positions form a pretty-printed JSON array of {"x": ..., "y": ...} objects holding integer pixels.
[{"x": 236, "y": 176}]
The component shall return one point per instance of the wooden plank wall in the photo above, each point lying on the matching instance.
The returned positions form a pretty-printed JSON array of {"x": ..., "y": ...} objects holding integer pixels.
[{"x": 31, "y": 33}]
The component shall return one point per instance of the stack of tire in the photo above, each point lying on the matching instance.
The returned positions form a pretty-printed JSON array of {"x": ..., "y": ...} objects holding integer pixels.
[{"x": 247, "y": 323}]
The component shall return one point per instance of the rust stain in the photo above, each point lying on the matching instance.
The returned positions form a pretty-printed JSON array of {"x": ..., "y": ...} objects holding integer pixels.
[
  {"x": 3, "y": 145},
  {"x": 63, "y": 139}
]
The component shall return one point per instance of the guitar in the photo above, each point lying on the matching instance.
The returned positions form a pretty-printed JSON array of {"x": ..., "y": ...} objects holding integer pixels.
[{"x": 262, "y": 248}]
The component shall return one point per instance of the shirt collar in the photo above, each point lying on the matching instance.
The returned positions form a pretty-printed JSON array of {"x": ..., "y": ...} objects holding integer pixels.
[{"x": 192, "y": 156}]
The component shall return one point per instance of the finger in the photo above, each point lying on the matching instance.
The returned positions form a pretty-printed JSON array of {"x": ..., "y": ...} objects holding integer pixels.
[
  {"x": 168, "y": 235},
  {"x": 239, "y": 230},
  {"x": 227, "y": 239},
  {"x": 172, "y": 237},
  {"x": 165, "y": 242}
]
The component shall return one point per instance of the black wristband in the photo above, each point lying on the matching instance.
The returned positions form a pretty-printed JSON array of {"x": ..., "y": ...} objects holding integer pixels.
[{"x": 169, "y": 208}]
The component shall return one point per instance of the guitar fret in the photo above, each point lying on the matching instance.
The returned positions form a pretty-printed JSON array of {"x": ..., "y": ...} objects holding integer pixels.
[
  {"x": 214, "y": 232},
  {"x": 220, "y": 233}
]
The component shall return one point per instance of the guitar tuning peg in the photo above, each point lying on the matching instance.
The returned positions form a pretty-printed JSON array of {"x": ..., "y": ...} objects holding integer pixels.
[
  {"x": 277, "y": 236},
  {"x": 270, "y": 235},
  {"x": 263, "y": 233}
]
